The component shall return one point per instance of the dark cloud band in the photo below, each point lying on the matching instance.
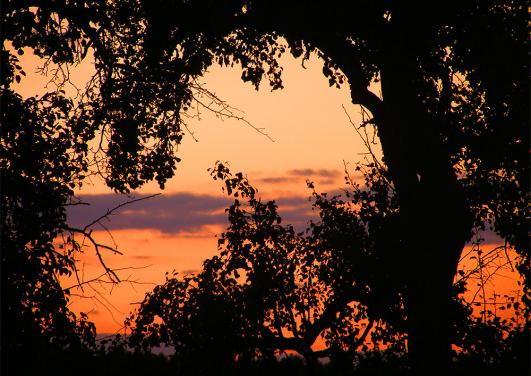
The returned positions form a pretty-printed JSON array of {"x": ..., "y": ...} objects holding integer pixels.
[{"x": 173, "y": 213}]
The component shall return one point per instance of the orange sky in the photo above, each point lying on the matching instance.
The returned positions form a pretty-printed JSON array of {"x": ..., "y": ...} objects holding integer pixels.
[{"x": 312, "y": 137}]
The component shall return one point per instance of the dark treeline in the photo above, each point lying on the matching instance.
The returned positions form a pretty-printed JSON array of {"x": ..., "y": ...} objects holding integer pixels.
[{"x": 369, "y": 277}]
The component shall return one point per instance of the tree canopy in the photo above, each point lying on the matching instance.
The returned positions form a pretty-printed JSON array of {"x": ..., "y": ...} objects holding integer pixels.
[{"x": 452, "y": 118}]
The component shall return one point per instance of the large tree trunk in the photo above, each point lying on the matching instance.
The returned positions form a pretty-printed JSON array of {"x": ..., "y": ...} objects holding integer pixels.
[
  {"x": 435, "y": 227},
  {"x": 434, "y": 213},
  {"x": 435, "y": 218}
]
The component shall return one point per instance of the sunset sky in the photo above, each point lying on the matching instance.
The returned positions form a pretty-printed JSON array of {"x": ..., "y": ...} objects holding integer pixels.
[{"x": 176, "y": 230}]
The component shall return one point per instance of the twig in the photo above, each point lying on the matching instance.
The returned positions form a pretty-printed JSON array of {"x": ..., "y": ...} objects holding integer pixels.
[
  {"x": 110, "y": 211},
  {"x": 99, "y": 278}
]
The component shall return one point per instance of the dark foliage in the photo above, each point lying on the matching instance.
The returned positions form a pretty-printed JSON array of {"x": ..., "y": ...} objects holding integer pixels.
[
  {"x": 272, "y": 290},
  {"x": 42, "y": 161},
  {"x": 453, "y": 124}
]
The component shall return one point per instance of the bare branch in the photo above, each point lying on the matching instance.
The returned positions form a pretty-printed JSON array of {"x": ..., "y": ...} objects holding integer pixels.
[
  {"x": 100, "y": 280},
  {"x": 88, "y": 235},
  {"x": 111, "y": 211},
  {"x": 220, "y": 108}
]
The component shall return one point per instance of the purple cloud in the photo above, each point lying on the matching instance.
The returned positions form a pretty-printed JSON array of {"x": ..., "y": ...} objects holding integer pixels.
[
  {"x": 327, "y": 176},
  {"x": 279, "y": 179},
  {"x": 173, "y": 213},
  {"x": 307, "y": 172}
]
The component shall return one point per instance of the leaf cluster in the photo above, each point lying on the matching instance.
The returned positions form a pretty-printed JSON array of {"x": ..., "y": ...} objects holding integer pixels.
[{"x": 274, "y": 289}]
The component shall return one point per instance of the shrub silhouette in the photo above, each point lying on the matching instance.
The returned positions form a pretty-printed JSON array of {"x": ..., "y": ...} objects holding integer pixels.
[{"x": 273, "y": 289}]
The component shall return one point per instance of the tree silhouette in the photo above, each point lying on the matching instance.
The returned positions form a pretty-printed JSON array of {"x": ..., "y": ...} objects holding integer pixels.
[
  {"x": 40, "y": 165},
  {"x": 272, "y": 289},
  {"x": 452, "y": 118}
]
